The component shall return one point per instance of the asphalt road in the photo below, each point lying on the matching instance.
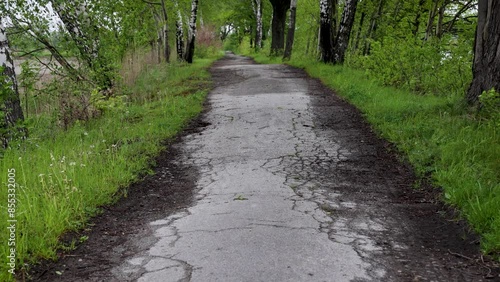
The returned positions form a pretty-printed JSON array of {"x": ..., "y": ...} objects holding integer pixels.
[
  {"x": 256, "y": 218},
  {"x": 279, "y": 180}
]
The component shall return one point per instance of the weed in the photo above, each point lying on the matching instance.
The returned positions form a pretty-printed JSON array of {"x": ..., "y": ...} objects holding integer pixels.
[{"x": 240, "y": 198}]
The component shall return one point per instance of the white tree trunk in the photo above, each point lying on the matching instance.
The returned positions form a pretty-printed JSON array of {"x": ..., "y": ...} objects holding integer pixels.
[
  {"x": 6, "y": 61},
  {"x": 258, "y": 15},
  {"x": 192, "y": 32},
  {"x": 179, "y": 34},
  {"x": 344, "y": 33},
  {"x": 10, "y": 104}
]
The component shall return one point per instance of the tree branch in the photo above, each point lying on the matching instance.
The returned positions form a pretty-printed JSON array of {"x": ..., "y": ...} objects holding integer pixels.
[{"x": 151, "y": 3}]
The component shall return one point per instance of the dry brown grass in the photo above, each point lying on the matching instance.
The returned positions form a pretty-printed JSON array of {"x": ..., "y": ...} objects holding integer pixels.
[{"x": 135, "y": 62}]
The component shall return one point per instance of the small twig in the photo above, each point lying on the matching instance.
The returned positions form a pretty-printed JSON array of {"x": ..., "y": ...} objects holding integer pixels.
[
  {"x": 31, "y": 52},
  {"x": 459, "y": 255}
]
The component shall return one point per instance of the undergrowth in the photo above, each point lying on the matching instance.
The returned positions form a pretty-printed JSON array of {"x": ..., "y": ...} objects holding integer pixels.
[
  {"x": 63, "y": 178},
  {"x": 459, "y": 149}
]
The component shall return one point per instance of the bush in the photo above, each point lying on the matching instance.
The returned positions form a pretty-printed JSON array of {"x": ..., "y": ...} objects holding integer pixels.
[
  {"x": 207, "y": 42},
  {"x": 433, "y": 67}
]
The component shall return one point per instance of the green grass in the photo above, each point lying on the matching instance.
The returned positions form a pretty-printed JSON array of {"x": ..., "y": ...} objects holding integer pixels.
[
  {"x": 64, "y": 178},
  {"x": 458, "y": 150}
]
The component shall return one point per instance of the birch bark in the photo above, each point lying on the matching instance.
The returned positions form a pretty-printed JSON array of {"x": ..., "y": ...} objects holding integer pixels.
[
  {"x": 10, "y": 102},
  {"x": 191, "y": 32}
]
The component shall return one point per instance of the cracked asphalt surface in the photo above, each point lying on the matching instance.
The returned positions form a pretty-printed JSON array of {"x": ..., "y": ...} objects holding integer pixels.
[{"x": 279, "y": 180}]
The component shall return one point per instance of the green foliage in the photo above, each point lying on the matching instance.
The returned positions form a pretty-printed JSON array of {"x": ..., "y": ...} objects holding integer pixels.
[
  {"x": 107, "y": 103},
  {"x": 490, "y": 105},
  {"x": 426, "y": 68},
  {"x": 65, "y": 176}
]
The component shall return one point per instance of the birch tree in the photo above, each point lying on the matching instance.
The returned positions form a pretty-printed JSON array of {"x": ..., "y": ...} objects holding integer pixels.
[
  {"x": 191, "y": 32},
  {"x": 179, "y": 34},
  {"x": 85, "y": 34},
  {"x": 344, "y": 33},
  {"x": 257, "y": 9},
  {"x": 291, "y": 30},
  {"x": 166, "y": 46},
  {"x": 36, "y": 25},
  {"x": 10, "y": 103},
  {"x": 325, "y": 31}
]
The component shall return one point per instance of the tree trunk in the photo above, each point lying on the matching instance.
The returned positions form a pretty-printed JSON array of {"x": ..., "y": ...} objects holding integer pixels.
[
  {"x": 258, "y": 19},
  {"x": 334, "y": 19},
  {"x": 360, "y": 29},
  {"x": 166, "y": 46},
  {"x": 373, "y": 26},
  {"x": 191, "y": 32},
  {"x": 156, "y": 46},
  {"x": 416, "y": 22},
  {"x": 291, "y": 30},
  {"x": 10, "y": 102},
  {"x": 278, "y": 26},
  {"x": 439, "y": 26},
  {"x": 325, "y": 32},
  {"x": 432, "y": 16},
  {"x": 346, "y": 24},
  {"x": 179, "y": 35},
  {"x": 486, "y": 65}
]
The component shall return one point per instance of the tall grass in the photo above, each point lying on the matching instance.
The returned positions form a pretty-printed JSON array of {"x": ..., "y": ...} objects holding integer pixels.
[
  {"x": 64, "y": 177},
  {"x": 441, "y": 138}
]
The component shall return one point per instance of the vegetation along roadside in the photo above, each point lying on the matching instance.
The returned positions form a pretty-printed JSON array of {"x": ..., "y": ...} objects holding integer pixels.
[{"x": 64, "y": 178}]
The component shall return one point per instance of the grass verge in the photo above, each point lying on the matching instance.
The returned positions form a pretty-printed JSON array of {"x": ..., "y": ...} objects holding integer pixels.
[
  {"x": 62, "y": 179},
  {"x": 441, "y": 139}
]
